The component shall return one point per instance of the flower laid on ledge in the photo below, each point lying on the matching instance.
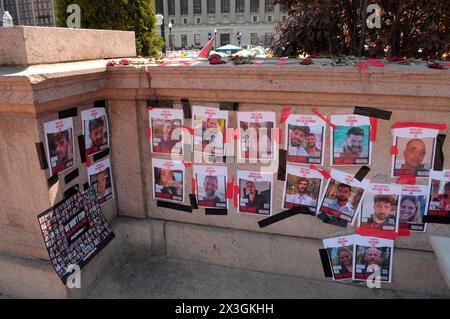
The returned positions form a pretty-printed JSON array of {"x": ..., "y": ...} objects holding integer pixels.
[
  {"x": 437, "y": 65},
  {"x": 396, "y": 59},
  {"x": 306, "y": 61},
  {"x": 216, "y": 59}
]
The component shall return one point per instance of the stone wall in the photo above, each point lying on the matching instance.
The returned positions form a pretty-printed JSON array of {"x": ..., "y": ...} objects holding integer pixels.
[{"x": 29, "y": 97}]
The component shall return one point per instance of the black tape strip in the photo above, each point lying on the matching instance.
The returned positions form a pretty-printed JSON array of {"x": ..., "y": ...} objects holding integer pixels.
[
  {"x": 82, "y": 148},
  {"x": 41, "y": 155},
  {"x": 229, "y": 106},
  {"x": 327, "y": 219},
  {"x": 373, "y": 112},
  {"x": 175, "y": 206},
  {"x": 282, "y": 159},
  {"x": 325, "y": 263},
  {"x": 217, "y": 212},
  {"x": 436, "y": 219},
  {"x": 363, "y": 171},
  {"x": 439, "y": 154},
  {"x": 52, "y": 181},
  {"x": 193, "y": 200},
  {"x": 166, "y": 104},
  {"x": 64, "y": 114},
  {"x": 187, "y": 110},
  {"x": 85, "y": 186},
  {"x": 101, "y": 155},
  {"x": 71, "y": 191},
  {"x": 71, "y": 176},
  {"x": 284, "y": 215},
  {"x": 100, "y": 103}
]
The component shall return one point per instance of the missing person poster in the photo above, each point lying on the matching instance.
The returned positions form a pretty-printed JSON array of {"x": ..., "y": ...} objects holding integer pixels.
[
  {"x": 415, "y": 151},
  {"x": 439, "y": 194},
  {"x": 301, "y": 188},
  {"x": 350, "y": 141},
  {"x": 59, "y": 143},
  {"x": 343, "y": 195},
  {"x": 100, "y": 175},
  {"x": 209, "y": 125},
  {"x": 255, "y": 192},
  {"x": 95, "y": 130},
  {"x": 413, "y": 203},
  {"x": 168, "y": 180},
  {"x": 256, "y": 137},
  {"x": 74, "y": 231},
  {"x": 373, "y": 257},
  {"x": 163, "y": 139},
  {"x": 340, "y": 254},
  {"x": 305, "y": 139},
  {"x": 211, "y": 183},
  {"x": 380, "y": 209}
]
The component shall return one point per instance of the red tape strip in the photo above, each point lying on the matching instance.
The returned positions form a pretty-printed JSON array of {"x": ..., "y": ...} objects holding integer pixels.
[
  {"x": 236, "y": 133},
  {"x": 230, "y": 186},
  {"x": 149, "y": 134},
  {"x": 88, "y": 161},
  {"x": 285, "y": 114},
  {"x": 186, "y": 164},
  {"x": 394, "y": 150},
  {"x": 406, "y": 180},
  {"x": 323, "y": 118},
  {"x": 373, "y": 129},
  {"x": 404, "y": 232},
  {"x": 421, "y": 125},
  {"x": 149, "y": 108},
  {"x": 190, "y": 130},
  {"x": 193, "y": 185},
  {"x": 321, "y": 171},
  {"x": 235, "y": 197},
  {"x": 372, "y": 232}
]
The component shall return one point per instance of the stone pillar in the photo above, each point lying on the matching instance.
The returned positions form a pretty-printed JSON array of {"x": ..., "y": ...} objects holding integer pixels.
[
  {"x": 218, "y": 12},
  {"x": 178, "y": 12},
  {"x": 204, "y": 11},
  {"x": 247, "y": 16},
  {"x": 262, "y": 11},
  {"x": 232, "y": 12},
  {"x": 191, "y": 12}
]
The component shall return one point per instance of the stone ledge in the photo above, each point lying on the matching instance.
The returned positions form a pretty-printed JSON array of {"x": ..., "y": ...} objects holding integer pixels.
[{"x": 38, "y": 45}]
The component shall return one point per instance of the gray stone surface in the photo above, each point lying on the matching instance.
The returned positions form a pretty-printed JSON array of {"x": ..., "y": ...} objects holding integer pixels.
[
  {"x": 441, "y": 246},
  {"x": 140, "y": 275}
]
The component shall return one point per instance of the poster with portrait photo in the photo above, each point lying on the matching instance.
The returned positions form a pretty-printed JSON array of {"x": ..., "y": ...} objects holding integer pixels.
[
  {"x": 74, "y": 231},
  {"x": 95, "y": 129},
  {"x": 168, "y": 180},
  {"x": 379, "y": 208},
  {"x": 301, "y": 188},
  {"x": 342, "y": 197},
  {"x": 439, "y": 194},
  {"x": 340, "y": 254},
  {"x": 350, "y": 141},
  {"x": 373, "y": 256},
  {"x": 305, "y": 139},
  {"x": 211, "y": 183},
  {"x": 209, "y": 126},
  {"x": 415, "y": 151},
  {"x": 413, "y": 204},
  {"x": 100, "y": 175},
  {"x": 59, "y": 143},
  {"x": 163, "y": 123},
  {"x": 256, "y": 137},
  {"x": 255, "y": 192}
]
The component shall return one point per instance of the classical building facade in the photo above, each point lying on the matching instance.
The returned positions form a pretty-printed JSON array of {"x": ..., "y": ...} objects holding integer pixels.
[
  {"x": 29, "y": 12},
  {"x": 194, "y": 22}
]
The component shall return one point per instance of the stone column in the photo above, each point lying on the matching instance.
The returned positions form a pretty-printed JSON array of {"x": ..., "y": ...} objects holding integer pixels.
[
  {"x": 204, "y": 11},
  {"x": 218, "y": 12},
  {"x": 276, "y": 13},
  {"x": 178, "y": 12},
  {"x": 191, "y": 12},
  {"x": 247, "y": 16},
  {"x": 262, "y": 11},
  {"x": 233, "y": 12}
]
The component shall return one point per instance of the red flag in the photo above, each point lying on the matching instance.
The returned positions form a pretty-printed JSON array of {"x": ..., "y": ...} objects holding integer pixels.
[{"x": 204, "y": 53}]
